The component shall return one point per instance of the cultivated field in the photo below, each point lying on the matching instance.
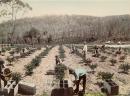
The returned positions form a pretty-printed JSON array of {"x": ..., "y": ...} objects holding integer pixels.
[{"x": 33, "y": 67}]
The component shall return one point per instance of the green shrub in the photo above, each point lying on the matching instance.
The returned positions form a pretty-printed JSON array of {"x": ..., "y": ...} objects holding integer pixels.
[
  {"x": 11, "y": 52},
  {"x": 61, "y": 52},
  {"x": 44, "y": 53},
  {"x": 59, "y": 71},
  {"x": 105, "y": 75},
  {"x": 3, "y": 50},
  {"x": 23, "y": 55},
  {"x": 88, "y": 60},
  {"x": 18, "y": 49},
  {"x": 28, "y": 69},
  {"x": 113, "y": 61},
  {"x": 10, "y": 60},
  {"x": 103, "y": 58},
  {"x": 8, "y": 48},
  {"x": 122, "y": 58},
  {"x": 35, "y": 62},
  {"x": 16, "y": 77},
  {"x": 124, "y": 67},
  {"x": 118, "y": 52},
  {"x": 93, "y": 66}
]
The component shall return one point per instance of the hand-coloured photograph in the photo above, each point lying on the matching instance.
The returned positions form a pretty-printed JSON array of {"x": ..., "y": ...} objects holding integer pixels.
[{"x": 64, "y": 47}]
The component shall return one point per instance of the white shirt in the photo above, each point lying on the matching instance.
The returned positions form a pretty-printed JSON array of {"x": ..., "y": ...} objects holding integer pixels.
[{"x": 85, "y": 48}]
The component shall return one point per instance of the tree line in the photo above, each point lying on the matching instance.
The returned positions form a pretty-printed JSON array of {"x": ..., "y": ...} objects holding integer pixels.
[{"x": 70, "y": 29}]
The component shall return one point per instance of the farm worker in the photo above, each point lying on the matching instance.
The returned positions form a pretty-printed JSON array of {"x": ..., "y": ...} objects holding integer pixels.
[
  {"x": 72, "y": 48},
  {"x": 85, "y": 50},
  {"x": 79, "y": 74},
  {"x": 103, "y": 47},
  {"x": 0, "y": 50},
  {"x": 96, "y": 49},
  {"x": 23, "y": 50},
  {"x": 58, "y": 60},
  {"x": 6, "y": 75}
]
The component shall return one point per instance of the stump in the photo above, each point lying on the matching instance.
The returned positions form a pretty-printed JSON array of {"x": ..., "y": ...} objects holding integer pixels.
[
  {"x": 62, "y": 92},
  {"x": 26, "y": 88},
  {"x": 112, "y": 87}
]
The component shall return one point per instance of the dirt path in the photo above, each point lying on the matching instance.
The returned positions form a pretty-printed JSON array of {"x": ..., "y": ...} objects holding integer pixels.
[
  {"x": 39, "y": 78},
  {"x": 18, "y": 66},
  {"x": 74, "y": 61}
]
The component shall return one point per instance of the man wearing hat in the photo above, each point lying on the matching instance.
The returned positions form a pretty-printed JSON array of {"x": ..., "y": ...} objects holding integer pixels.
[{"x": 6, "y": 74}]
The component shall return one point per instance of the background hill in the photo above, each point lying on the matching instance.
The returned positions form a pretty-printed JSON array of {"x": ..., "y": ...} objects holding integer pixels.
[{"x": 74, "y": 28}]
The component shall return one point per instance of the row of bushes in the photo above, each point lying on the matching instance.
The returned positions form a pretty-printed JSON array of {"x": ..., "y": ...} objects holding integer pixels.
[
  {"x": 59, "y": 71},
  {"x": 36, "y": 61},
  {"x": 61, "y": 52},
  {"x": 13, "y": 58}
]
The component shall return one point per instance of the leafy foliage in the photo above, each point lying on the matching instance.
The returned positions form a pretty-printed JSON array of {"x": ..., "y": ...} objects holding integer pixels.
[
  {"x": 28, "y": 69},
  {"x": 88, "y": 60},
  {"x": 10, "y": 59},
  {"x": 36, "y": 61},
  {"x": 61, "y": 52},
  {"x": 122, "y": 58},
  {"x": 44, "y": 53},
  {"x": 16, "y": 76},
  {"x": 3, "y": 50},
  {"x": 11, "y": 52},
  {"x": 59, "y": 71},
  {"x": 105, "y": 75},
  {"x": 93, "y": 66},
  {"x": 103, "y": 58},
  {"x": 113, "y": 61},
  {"x": 125, "y": 67}
]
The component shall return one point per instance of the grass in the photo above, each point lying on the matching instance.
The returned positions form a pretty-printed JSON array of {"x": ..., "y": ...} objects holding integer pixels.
[
  {"x": 95, "y": 94},
  {"x": 44, "y": 94}
]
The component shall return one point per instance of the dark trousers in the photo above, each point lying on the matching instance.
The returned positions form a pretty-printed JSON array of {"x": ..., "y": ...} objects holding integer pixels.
[
  {"x": 3, "y": 78},
  {"x": 78, "y": 82},
  {"x": 57, "y": 61}
]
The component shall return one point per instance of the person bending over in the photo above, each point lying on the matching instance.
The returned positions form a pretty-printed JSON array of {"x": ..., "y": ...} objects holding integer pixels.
[{"x": 79, "y": 74}]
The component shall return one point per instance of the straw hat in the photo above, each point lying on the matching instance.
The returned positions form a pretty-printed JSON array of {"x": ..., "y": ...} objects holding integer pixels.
[{"x": 7, "y": 74}]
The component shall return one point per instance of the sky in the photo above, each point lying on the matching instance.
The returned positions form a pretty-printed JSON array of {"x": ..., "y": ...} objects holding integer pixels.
[
  {"x": 79, "y": 7},
  {"x": 75, "y": 7}
]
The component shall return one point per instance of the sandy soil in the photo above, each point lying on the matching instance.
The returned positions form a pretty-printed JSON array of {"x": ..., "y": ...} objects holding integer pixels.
[
  {"x": 73, "y": 61},
  {"x": 39, "y": 78},
  {"x": 18, "y": 66},
  {"x": 43, "y": 82},
  {"x": 123, "y": 80}
]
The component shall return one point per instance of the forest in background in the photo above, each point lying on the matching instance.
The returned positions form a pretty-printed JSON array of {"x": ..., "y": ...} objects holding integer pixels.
[{"x": 69, "y": 29}]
